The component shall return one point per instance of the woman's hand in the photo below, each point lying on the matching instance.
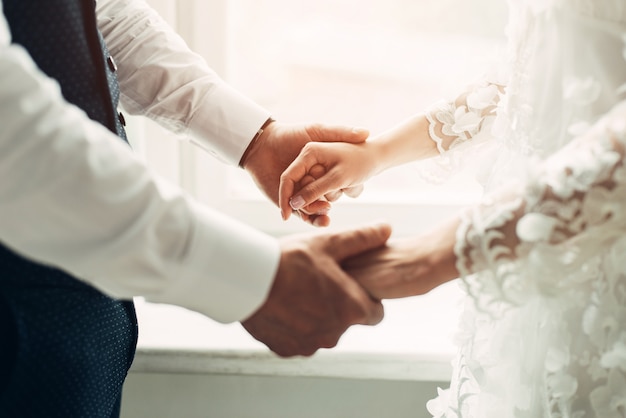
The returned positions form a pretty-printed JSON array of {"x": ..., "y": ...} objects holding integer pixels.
[
  {"x": 409, "y": 266},
  {"x": 324, "y": 169},
  {"x": 279, "y": 145},
  {"x": 328, "y": 169}
]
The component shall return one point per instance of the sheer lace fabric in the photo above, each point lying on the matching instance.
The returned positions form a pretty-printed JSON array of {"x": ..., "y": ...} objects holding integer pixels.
[
  {"x": 543, "y": 259},
  {"x": 459, "y": 128},
  {"x": 453, "y": 123}
]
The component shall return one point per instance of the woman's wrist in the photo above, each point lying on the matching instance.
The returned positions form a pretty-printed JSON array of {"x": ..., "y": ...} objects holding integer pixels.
[
  {"x": 381, "y": 155},
  {"x": 408, "y": 141},
  {"x": 441, "y": 256}
]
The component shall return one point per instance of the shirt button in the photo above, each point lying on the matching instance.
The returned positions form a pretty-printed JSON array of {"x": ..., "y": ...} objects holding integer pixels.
[
  {"x": 111, "y": 63},
  {"x": 121, "y": 118}
]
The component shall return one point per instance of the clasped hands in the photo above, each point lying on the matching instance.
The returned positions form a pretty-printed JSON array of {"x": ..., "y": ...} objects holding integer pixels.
[{"x": 325, "y": 282}]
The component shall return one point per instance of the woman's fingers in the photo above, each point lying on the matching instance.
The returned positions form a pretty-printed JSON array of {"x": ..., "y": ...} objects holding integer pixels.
[
  {"x": 316, "y": 174},
  {"x": 315, "y": 190},
  {"x": 291, "y": 178}
]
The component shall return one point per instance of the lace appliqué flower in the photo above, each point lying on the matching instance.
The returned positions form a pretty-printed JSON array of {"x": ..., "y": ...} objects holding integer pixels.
[
  {"x": 566, "y": 249},
  {"x": 438, "y": 406},
  {"x": 451, "y": 124}
]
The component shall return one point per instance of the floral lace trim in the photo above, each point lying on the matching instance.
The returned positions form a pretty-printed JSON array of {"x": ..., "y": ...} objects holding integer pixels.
[
  {"x": 563, "y": 243},
  {"x": 571, "y": 209},
  {"x": 450, "y": 124},
  {"x": 477, "y": 248}
]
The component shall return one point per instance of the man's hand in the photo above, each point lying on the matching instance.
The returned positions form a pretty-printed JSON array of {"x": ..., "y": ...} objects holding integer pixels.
[
  {"x": 313, "y": 301},
  {"x": 279, "y": 145},
  {"x": 408, "y": 266}
]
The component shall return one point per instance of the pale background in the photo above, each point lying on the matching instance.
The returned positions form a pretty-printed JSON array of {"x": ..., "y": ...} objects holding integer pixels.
[{"x": 367, "y": 63}]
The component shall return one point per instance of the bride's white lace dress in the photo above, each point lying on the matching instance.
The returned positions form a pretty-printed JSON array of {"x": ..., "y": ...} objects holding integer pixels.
[{"x": 543, "y": 259}]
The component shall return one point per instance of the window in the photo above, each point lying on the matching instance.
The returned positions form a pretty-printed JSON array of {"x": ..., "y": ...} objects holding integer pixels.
[{"x": 366, "y": 63}]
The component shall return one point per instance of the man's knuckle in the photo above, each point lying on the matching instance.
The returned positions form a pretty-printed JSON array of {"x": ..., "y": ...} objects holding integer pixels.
[
  {"x": 334, "y": 240},
  {"x": 328, "y": 341},
  {"x": 315, "y": 130},
  {"x": 355, "y": 312}
]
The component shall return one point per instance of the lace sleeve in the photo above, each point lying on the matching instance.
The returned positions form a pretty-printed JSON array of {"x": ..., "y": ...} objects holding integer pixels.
[
  {"x": 455, "y": 125},
  {"x": 540, "y": 237}
]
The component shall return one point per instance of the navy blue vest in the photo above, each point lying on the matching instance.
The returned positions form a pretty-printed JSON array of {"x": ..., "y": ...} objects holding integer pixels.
[
  {"x": 76, "y": 57},
  {"x": 65, "y": 347}
]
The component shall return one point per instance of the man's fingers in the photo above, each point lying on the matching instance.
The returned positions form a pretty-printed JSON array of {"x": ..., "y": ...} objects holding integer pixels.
[
  {"x": 325, "y": 133},
  {"x": 351, "y": 242},
  {"x": 362, "y": 308},
  {"x": 374, "y": 314},
  {"x": 317, "y": 171}
]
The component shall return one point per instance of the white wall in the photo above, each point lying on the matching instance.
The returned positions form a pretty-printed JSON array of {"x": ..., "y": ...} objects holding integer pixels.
[{"x": 159, "y": 395}]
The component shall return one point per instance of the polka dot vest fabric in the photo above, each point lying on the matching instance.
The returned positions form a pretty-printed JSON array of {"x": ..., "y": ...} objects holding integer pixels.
[
  {"x": 72, "y": 345},
  {"x": 62, "y": 38},
  {"x": 65, "y": 348}
]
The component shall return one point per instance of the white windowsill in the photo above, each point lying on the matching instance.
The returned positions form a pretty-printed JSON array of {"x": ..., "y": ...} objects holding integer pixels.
[{"x": 412, "y": 343}]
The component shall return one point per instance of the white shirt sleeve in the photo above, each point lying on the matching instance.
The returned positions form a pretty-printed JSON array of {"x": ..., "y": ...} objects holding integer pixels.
[
  {"x": 74, "y": 196},
  {"x": 161, "y": 78}
]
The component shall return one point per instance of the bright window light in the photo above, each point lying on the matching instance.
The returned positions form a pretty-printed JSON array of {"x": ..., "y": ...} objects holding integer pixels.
[{"x": 365, "y": 63}]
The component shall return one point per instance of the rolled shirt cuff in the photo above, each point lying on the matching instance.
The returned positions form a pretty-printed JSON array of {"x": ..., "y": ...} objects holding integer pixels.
[{"x": 227, "y": 123}]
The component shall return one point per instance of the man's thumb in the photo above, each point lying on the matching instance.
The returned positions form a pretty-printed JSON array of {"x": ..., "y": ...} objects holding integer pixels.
[{"x": 352, "y": 242}]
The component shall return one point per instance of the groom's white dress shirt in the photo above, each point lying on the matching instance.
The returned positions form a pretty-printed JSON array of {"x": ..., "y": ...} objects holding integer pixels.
[{"x": 73, "y": 195}]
